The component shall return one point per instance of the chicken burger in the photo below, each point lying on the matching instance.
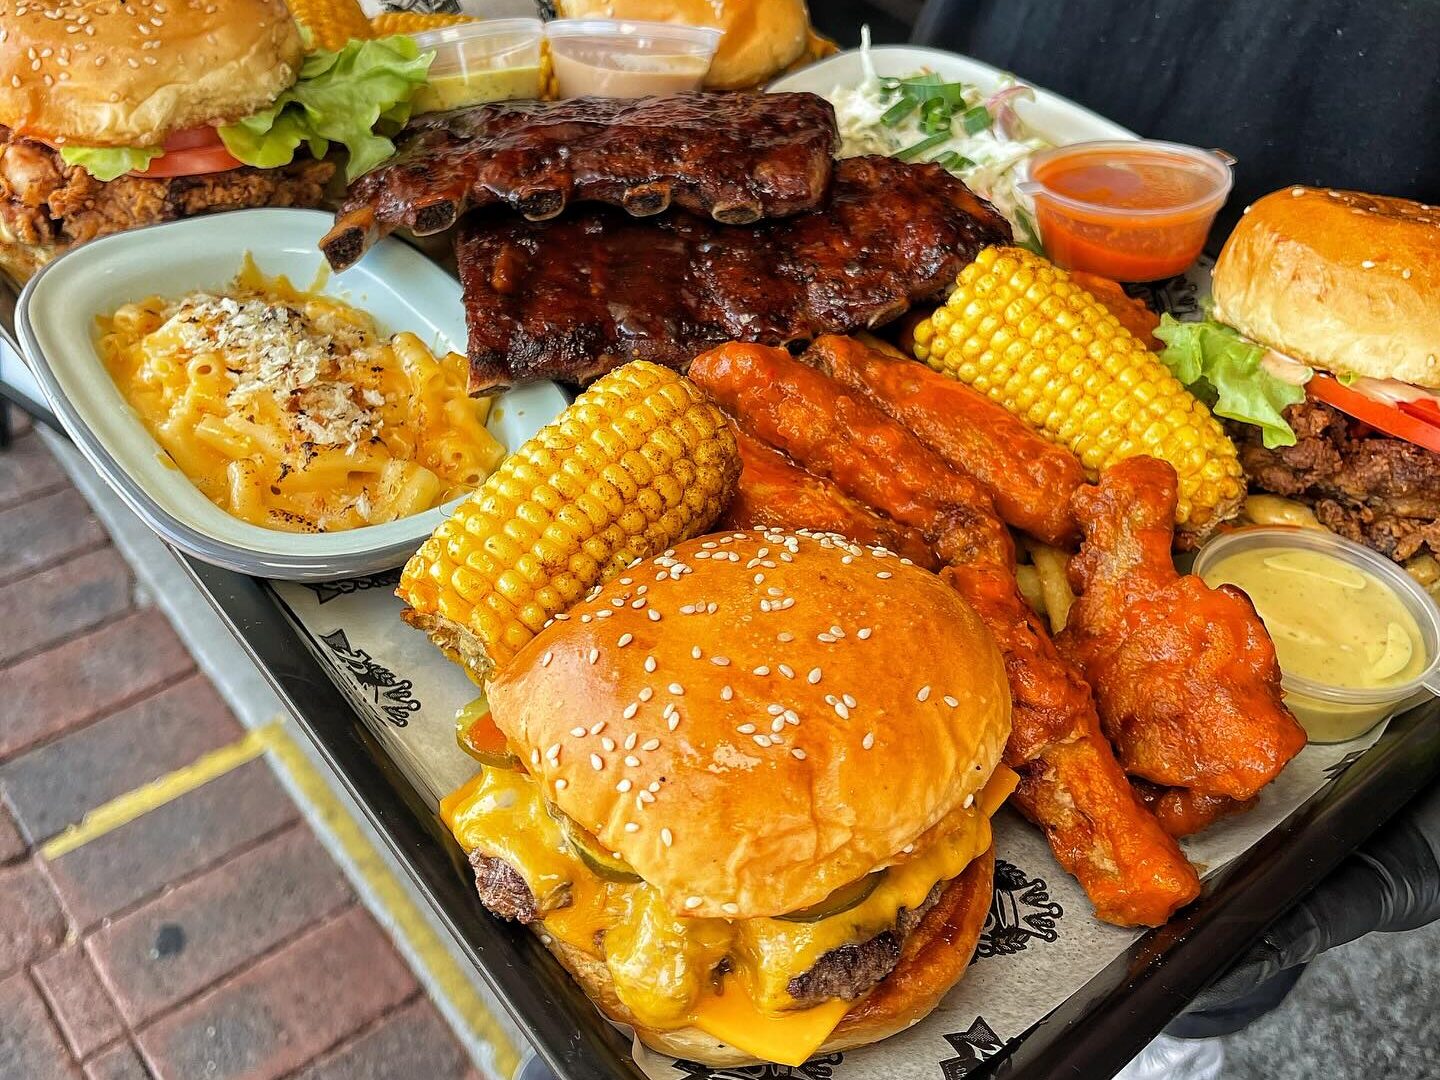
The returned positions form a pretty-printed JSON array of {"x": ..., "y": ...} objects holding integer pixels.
[
  {"x": 115, "y": 115},
  {"x": 749, "y": 804}
]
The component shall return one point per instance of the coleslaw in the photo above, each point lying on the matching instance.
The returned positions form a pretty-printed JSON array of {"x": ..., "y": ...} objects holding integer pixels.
[{"x": 978, "y": 137}]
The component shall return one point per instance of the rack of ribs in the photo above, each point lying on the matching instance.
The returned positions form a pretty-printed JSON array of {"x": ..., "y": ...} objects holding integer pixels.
[
  {"x": 736, "y": 158},
  {"x": 572, "y": 298}
]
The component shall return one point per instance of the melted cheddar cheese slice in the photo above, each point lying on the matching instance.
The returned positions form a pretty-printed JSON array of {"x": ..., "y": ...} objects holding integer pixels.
[{"x": 662, "y": 964}]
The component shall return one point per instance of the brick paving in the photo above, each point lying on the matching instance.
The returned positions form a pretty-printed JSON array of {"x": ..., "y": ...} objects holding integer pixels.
[{"x": 210, "y": 939}]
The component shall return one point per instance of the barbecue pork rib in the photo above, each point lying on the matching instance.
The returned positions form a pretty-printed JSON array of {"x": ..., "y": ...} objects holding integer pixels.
[
  {"x": 734, "y": 157},
  {"x": 572, "y": 298}
]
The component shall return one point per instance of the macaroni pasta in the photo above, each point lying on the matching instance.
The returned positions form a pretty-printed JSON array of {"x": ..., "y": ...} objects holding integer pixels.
[{"x": 290, "y": 410}]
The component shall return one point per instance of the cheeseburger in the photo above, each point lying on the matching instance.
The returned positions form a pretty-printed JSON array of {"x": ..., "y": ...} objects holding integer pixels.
[
  {"x": 1324, "y": 353},
  {"x": 118, "y": 114},
  {"x": 749, "y": 806}
]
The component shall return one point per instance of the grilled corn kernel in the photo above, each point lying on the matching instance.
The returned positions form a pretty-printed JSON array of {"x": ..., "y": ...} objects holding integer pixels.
[
  {"x": 412, "y": 22},
  {"x": 640, "y": 461},
  {"x": 1020, "y": 331},
  {"x": 331, "y": 22}
]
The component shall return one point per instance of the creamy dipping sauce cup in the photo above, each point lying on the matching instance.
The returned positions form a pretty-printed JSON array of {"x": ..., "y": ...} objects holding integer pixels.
[
  {"x": 625, "y": 58},
  {"x": 475, "y": 62},
  {"x": 1312, "y": 597}
]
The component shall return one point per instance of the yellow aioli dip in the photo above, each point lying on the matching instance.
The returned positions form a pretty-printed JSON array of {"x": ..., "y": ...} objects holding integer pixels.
[
  {"x": 1334, "y": 624},
  {"x": 455, "y": 90}
]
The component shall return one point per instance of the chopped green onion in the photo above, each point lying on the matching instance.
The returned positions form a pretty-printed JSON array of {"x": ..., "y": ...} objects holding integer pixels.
[
  {"x": 899, "y": 111},
  {"x": 1030, "y": 235},
  {"x": 953, "y": 161},
  {"x": 935, "y": 116},
  {"x": 911, "y": 152},
  {"x": 976, "y": 120}
]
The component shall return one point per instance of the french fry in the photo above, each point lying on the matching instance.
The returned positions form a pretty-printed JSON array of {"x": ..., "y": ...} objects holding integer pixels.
[
  {"x": 1055, "y": 588},
  {"x": 1028, "y": 578}
]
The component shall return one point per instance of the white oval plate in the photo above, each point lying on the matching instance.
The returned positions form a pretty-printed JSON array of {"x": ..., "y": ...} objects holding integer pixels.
[
  {"x": 1056, "y": 118},
  {"x": 400, "y": 287}
]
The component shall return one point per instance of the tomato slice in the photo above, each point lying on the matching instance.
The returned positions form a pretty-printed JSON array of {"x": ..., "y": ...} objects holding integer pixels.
[
  {"x": 1411, "y": 424},
  {"x": 192, "y": 152}
]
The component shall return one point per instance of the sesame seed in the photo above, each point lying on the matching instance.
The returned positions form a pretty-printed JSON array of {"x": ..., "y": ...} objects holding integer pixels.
[
  {"x": 969, "y": 802},
  {"x": 605, "y": 614},
  {"x": 649, "y": 663},
  {"x": 924, "y": 694},
  {"x": 746, "y": 729},
  {"x": 644, "y": 798},
  {"x": 630, "y": 826},
  {"x": 814, "y": 677},
  {"x": 625, "y": 639},
  {"x": 586, "y": 618},
  {"x": 534, "y": 757},
  {"x": 695, "y": 652},
  {"x": 646, "y": 694},
  {"x": 654, "y": 786},
  {"x": 667, "y": 837},
  {"x": 545, "y": 660},
  {"x": 597, "y": 762},
  {"x": 608, "y": 743},
  {"x": 577, "y": 732},
  {"x": 687, "y": 609},
  {"x": 597, "y": 727},
  {"x": 774, "y": 710},
  {"x": 669, "y": 710},
  {"x": 761, "y": 670},
  {"x": 650, "y": 744},
  {"x": 726, "y": 693},
  {"x": 720, "y": 661},
  {"x": 654, "y": 615},
  {"x": 561, "y": 784},
  {"x": 951, "y": 701},
  {"x": 828, "y": 639},
  {"x": 730, "y": 908},
  {"x": 593, "y": 655},
  {"x": 863, "y": 633},
  {"x": 761, "y": 740},
  {"x": 841, "y": 711},
  {"x": 630, "y": 740},
  {"x": 797, "y": 754},
  {"x": 791, "y": 716},
  {"x": 837, "y": 631},
  {"x": 759, "y": 579},
  {"x": 848, "y": 700},
  {"x": 787, "y": 671},
  {"x": 624, "y": 785},
  {"x": 673, "y": 722},
  {"x": 632, "y": 760},
  {"x": 638, "y": 604},
  {"x": 778, "y": 724},
  {"x": 711, "y": 608},
  {"x": 785, "y": 637},
  {"x": 692, "y": 902},
  {"x": 869, "y": 740},
  {"x": 553, "y": 753},
  {"x": 1368, "y": 264},
  {"x": 631, "y": 710},
  {"x": 676, "y": 689},
  {"x": 884, "y": 575}
]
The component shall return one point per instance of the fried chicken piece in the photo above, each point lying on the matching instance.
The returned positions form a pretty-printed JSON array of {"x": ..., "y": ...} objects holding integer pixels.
[
  {"x": 1029, "y": 478},
  {"x": 774, "y": 492},
  {"x": 1070, "y": 785},
  {"x": 1184, "y": 813},
  {"x": 1185, "y": 675}
]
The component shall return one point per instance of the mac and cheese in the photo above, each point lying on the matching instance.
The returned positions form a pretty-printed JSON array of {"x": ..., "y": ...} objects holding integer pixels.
[{"x": 292, "y": 411}]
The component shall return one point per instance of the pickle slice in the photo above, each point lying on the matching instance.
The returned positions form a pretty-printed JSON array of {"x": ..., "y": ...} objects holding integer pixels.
[
  {"x": 588, "y": 850},
  {"x": 477, "y": 735},
  {"x": 841, "y": 900}
]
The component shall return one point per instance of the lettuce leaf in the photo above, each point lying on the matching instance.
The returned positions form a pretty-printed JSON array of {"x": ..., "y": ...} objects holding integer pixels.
[
  {"x": 1224, "y": 370},
  {"x": 340, "y": 97},
  {"x": 109, "y": 162}
]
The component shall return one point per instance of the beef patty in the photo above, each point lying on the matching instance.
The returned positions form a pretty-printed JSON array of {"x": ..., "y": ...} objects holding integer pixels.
[
  {"x": 844, "y": 972},
  {"x": 1382, "y": 492}
]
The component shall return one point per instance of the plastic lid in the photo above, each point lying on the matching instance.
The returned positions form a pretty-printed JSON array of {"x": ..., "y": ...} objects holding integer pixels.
[
  {"x": 504, "y": 33},
  {"x": 1415, "y": 599},
  {"x": 700, "y": 40},
  {"x": 1210, "y": 165}
]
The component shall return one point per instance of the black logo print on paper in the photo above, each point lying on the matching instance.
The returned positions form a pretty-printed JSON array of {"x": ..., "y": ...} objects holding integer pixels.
[
  {"x": 1333, "y": 770},
  {"x": 817, "y": 1068},
  {"x": 1020, "y": 911},
  {"x": 973, "y": 1048},
  {"x": 393, "y": 697},
  {"x": 325, "y": 591},
  {"x": 428, "y": 7}
]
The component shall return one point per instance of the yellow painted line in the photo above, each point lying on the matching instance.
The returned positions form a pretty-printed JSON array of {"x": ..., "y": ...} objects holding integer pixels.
[
  {"x": 446, "y": 974},
  {"x": 123, "y": 809}
]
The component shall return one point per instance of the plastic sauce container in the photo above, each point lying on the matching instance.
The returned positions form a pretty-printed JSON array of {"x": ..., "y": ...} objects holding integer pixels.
[
  {"x": 621, "y": 58},
  {"x": 1128, "y": 210},
  {"x": 489, "y": 60},
  {"x": 1358, "y": 639}
]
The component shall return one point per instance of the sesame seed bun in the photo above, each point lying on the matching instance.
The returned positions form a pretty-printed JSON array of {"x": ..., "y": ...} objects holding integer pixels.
[
  {"x": 879, "y": 698},
  {"x": 933, "y": 959},
  {"x": 1343, "y": 281},
  {"x": 107, "y": 73},
  {"x": 762, "y": 37}
]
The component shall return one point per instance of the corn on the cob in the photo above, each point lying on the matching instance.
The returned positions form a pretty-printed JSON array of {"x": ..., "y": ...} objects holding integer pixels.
[
  {"x": 331, "y": 22},
  {"x": 640, "y": 461},
  {"x": 412, "y": 22},
  {"x": 1019, "y": 330}
]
